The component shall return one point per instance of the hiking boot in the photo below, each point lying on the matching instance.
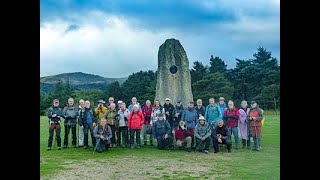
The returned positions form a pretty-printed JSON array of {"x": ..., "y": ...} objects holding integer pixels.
[
  {"x": 85, "y": 147},
  {"x": 123, "y": 146},
  {"x": 74, "y": 146},
  {"x": 248, "y": 147},
  {"x": 138, "y": 146},
  {"x": 48, "y": 148},
  {"x": 132, "y": 147},
  {"x": 189, "y": 149},
  {"x": 65, "y": 146},
  {"x": 229, "y": 150},
  {"x": 59, "y": 148},
  {"x": 206, "y": 151},
  {"x": 215, "y": 152},
  {"x": 145, "y": 143}
]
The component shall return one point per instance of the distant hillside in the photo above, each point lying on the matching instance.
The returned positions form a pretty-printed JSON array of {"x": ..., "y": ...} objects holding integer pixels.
[{"x": 78, "y": 80}]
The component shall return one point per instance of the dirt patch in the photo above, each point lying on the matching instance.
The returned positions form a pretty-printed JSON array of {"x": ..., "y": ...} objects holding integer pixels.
[{"x": 135, "y": 167}]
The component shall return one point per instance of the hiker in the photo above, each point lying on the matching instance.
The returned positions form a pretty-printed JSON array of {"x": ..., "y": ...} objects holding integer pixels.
[
  {"x": 177, "y": 114},
  {"x": 118, "y": 107},
  {"x": 81, "y": 135},
  {"x": 201, "y": 110},
  {"x": 88, "y": 119},
  {"x": 162, "y": 132},
  {"x": 156, "y": 110},
  {"x": 134, "y": 101},
  {"x": 54, "y": 114},
  {"x": 103, "y": 135},
  {"x": 183, "y": 137},
  {"x": 110, "y": 115},
  {"x": 244, "y": 131},
  {"x": 70, "y": 113},
  {"x": 168, "y": 110},
  {"x": 254, "y": 118},
  {"x": 146, "y": 128},
  {"x": 111, "y": 100},
  {"x": 135, "y": 121},
  {"x": 231, "y": 117},
  {"x": 222, "y": 105},
  {"x": 213, "y": 113},
  {"x": 100, "y": 110},
  {"x": 190, "y": 117},
  {"x": 123, "y": 125},
  {"x": 221, "y": 135},
  {"x": 202, "y": 133}
]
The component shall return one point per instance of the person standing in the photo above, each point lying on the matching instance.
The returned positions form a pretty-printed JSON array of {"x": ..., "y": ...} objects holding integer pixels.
[
  {"x": 177, "y": 114},
  {"x": 100, "y": 110},
  {"x": 80, "y": 130},
  {"x": 201, "y": 110},
  {"x": 213, "y": 113},
  {"x": 134, "y": 102},
  {"x": 231, "y": 117},
  {"x": 135, "y": 122},
  {"x": 54, "y": 114},
  {"x": 123, "y": 125},
  {"x": 255, "y": 117},
  {"x": 168, "y": 109},
  {"x": 88, "y": 119},
  {"x": 147, "y": 112},
  {"x": 70, "y": 113},
  {"x": 222, "y": 105},
  {"x": 190, "y": 117},
  {"x": 110, "y": 115},
  {"x": 244, "y": 131}
]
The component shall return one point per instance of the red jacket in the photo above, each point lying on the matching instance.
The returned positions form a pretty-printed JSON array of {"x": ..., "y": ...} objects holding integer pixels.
[
  {"x": 231, "y": 117},
  {"x": 257, "y": 113},
  {"x": 147, "y": 114},
  {"x": 135, "y": 120},
  {"x": 180, "y": 134}
]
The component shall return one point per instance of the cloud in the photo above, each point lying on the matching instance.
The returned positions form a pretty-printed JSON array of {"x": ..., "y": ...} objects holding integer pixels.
[{"x": 115, "y": 42}]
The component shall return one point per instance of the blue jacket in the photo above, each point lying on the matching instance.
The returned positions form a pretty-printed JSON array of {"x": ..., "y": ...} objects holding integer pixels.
[
  {"x": 213, "y": 114},
  {"x": 160, "y": 128},
  {"x": 222, "y": 108},
  {"x": 190, "y": 117}
]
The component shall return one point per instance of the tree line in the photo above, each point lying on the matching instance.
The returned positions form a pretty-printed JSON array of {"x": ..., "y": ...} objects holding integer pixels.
[{"x": 252, "y": 79}]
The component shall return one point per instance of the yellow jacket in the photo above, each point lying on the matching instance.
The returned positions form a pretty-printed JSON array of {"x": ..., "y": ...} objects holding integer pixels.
[{"x": 100, "y": 112}]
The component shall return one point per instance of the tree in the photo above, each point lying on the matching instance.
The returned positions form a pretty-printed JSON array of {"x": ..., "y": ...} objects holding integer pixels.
[
  {"x": 61, "y": 91},
  {"x": 93, "y": 95},
  {"x": 198, "y": 71},
  {"x": 213, "y": 85},
  {"x": 113, "y": 90},
  {"x": 217, "y": 65},
  {"x": 141, "y": 85}
]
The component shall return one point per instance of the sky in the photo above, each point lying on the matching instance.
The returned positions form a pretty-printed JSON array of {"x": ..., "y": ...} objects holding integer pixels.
[{"x": 115, "y": 38}]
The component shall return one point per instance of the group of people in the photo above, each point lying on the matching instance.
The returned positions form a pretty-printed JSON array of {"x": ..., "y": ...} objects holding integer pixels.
[{"x": 194, "y": 127}]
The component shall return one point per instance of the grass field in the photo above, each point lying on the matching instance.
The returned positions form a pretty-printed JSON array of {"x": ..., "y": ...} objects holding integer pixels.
[{"x": 151, "y": 163}]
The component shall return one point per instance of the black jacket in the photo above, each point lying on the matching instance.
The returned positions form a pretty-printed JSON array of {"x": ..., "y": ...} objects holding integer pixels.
[
  {"x": 55, "y": 110},
  {"x": 224, "y": 131},
  {"x": 83, "y": 116}
]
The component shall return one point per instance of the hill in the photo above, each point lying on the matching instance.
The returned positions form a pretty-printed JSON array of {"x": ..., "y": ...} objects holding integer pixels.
[{"x": 78, "y": 80}]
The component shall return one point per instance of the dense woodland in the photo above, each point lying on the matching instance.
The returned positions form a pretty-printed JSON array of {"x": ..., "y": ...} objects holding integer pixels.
[{"x": 252, "y": 79}]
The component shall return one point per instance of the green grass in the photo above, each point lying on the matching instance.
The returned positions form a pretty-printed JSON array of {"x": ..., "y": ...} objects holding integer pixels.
[{"x": 160, "y": 164}]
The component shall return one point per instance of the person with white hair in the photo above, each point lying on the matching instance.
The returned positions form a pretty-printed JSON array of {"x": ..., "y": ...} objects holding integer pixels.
[
  {"x": 134, "y": 101},
  {"x": 136, "y": 119},
  {"x": 81, "y": 135}
]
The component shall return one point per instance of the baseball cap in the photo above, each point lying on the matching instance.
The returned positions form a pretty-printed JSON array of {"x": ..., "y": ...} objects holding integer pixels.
[
  {"x": 119, "y": 102},
  {"x": 101, "y": 101},
  {"x": 252, "y": 102},
  {"x": 179, "y": 100}
]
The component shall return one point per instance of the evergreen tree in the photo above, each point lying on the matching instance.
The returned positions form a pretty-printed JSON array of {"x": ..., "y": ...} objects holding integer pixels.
[{"x": 217, "y": 65}]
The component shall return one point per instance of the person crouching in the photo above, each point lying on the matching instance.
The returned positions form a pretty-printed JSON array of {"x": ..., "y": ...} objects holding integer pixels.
[
  {"x": 202, "y": 133},
  {"x": 103, "y": 135},
  {"x": 162, "y": 132},
  {"x": 221, "y": 135},
  {"x": 183, "y": 136}
]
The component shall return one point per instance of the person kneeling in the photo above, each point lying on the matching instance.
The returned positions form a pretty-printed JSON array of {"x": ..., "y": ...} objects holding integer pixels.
[
  {"x": 183, "y": 136},
  {"x": 202, "y": 133},
  {"x": 161, "y": 131},
  {"x": 221, "y": 135},
  {"x": 103, "y": 135}
]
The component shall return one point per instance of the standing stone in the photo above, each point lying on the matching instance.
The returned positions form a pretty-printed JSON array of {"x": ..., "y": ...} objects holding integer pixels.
[{"x": 173, "y": 76}]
